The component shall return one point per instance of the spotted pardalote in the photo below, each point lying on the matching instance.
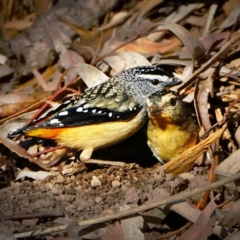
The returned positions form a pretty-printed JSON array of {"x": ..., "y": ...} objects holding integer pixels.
[
  {"x": 171, "y": 127},
  {"x": 105, "y": 114}
]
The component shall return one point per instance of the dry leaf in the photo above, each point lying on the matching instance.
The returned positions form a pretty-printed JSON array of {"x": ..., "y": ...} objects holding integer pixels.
[
  {"x": 94, "y": 231},
  {"x": 233, "y": 236},
  {"x": 18, "y": 24},
  {"x": 131, "y": 226},
  {"x": 186, "y": 210},
  {"x": 68, "y": 58},
  {"x": 231, "y": 19},
  {"x": 204, "y": 87},
  {"x": 5, "y": 70},
  {"x": 146, "y": 46},
  {"x": 12, "y": 102},
  {"x": 237, "y": 135},
  {"x": 232, "y": 215},
  {"x": 20, "y": 151},
  {"x": 5, "y": 233},
  {"x": 125, "y": 60},
  {"x": 146, "y": 6},
  {"x": 15, "y": 123},
  {"x": 181, "y": 12},
  {"x": 214, "y": 38},
  {"x": 114, "y": 231},
  {"x": 118, "y": 18},
  {"x": 73, "y": 229},
  {"x": 39, "y": 175},
  {"x": 153, "y": 217},
  {"x": 90, "y": 75},
  {"x": 230, "y": 165},
  {"x": 194, "y": 46},
  {"x": 40, "y": 79},
  {"x": 203, "y": 227},
  {"x": 229, "y": 6}
]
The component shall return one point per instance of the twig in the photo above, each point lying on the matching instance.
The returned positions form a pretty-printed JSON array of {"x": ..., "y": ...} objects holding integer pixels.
[
  {"x": 47, "y": 150},
  {"x": 111, "y": 163},
  {"x": 44, "y": 214},
  {"x": 142, "y": 33},
  {"x": 136, "y": 210},
  {"x": 210, "y": 18}
]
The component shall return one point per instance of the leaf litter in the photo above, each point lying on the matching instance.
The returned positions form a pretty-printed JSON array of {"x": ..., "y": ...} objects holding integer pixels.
[{"x": 203, "y": 39}]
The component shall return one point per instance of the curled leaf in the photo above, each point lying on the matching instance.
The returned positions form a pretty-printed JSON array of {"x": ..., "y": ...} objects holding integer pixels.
[
  {"x": 125, "y": 60},
  {"x": 90, "y": 75}
]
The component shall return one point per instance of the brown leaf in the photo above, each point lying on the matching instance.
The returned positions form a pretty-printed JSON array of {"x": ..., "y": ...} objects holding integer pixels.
[
  {"x": 203, "y": 227},
  {"x": 118, "y": 18},
  {"x": 232, "y": 215},
  {"x": 18, "y": 24},
  {"x": 234, "y": 236},
  {"x": 73, "y": 229},
  {"x": 153, "y": 217},
  {"x": 6, "y": 128},
  {"x": 199, "y": 21},
  {"x": 5, "y": 70},
  {"x": 15, "y": 123},
  {"x": 131, "y": 226},
  {"x": 194, "y": 46},
  {"x": 13, "y": 102},
  {"x": 229, "y": 6},
  {"x": 146, "y": 6},
  {"x": 16, "y": 148},
  {"x": 93, "y": 231},
  {"x": 204, "y": 87},
  {"x": 213, "y": 38},
  {"x": 114, "y": 231},
  {"x": 181, "y": 12},
  {"x": 231, "y": 19},
  {"x": 40, "y": 79},
  {"x": 68, "y": 58},
  {"x": 186, "y": 210},
  {"x": 230, "y": 165},
  {"x": 5, "y": 233},
  {"x": 237, "y": 135},
  {"x": 146, "y": 46}
]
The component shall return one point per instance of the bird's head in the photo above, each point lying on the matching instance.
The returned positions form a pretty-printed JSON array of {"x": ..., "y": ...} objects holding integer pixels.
[{"x": 150, "y": 79}]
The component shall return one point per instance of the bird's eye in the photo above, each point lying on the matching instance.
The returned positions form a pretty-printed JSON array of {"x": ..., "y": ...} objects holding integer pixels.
[
  {"x": 173, "y": 101},
  {"x": 154, "y": 81}
]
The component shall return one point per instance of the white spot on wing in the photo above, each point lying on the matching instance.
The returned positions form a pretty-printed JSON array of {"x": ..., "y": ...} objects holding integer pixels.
[
  {"x": 63, "y": 113},
  {"x": 85, "y": 111},
  {"x": 110, "y": 114},
  {"x": 94, "y": 110},
  {"x": 80, "y": 109},
  {"x": 54, "y": 121},
  {"x": 100, "y": 111},
  {"x": 86, "y": 106}
]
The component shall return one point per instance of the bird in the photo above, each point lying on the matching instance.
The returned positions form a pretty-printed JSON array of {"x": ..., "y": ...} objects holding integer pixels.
[
  {"x": 104, "y": 114},
  {"x": 171, "y": 128}
]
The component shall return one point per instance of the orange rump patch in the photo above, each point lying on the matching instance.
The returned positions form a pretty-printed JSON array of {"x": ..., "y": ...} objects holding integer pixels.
[{"x": 49, "y": 133}]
